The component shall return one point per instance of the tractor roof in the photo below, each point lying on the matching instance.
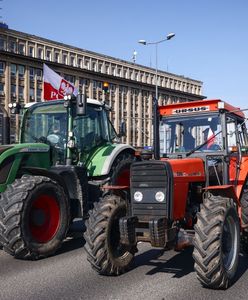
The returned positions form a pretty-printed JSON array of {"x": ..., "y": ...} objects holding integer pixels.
[
  {"x": 89, "y": 101},
  {"x": 199, "y": 107}
]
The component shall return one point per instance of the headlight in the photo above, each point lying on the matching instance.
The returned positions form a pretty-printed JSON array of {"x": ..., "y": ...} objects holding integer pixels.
[
  {"x": 159, "y": 196},
  {"x": 138, "y": 196}
]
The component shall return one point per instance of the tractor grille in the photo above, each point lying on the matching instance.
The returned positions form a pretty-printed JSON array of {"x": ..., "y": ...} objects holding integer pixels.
[{"x": 149, "y": 178}]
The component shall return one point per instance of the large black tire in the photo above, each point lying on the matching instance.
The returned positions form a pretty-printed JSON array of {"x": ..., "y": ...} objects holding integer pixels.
[
  {"x": 34, "y": 217},
  {"x": 105, "y": 253},
  {"x": 216, "y": 242},
  {"x": 244, "y": 218},
  {"x": 120, "y": 170}
]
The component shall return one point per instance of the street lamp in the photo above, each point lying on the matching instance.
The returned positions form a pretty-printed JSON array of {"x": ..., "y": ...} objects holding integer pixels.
[{"x": 155, "y": 102}]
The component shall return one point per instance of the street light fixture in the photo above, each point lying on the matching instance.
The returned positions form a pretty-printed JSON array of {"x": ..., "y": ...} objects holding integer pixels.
[{"x": 155, "y": 102}]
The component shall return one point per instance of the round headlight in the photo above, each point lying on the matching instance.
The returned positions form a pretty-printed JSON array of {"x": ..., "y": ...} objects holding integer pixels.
[
  {"x": 138, "y": 196},
  {"x": 159, "y": 196}
]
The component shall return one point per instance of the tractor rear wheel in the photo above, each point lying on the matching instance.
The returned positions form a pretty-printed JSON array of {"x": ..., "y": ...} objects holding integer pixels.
[
  {"x": 105, "y": 253},
  {"x": 217, "y": 235},
  {"x": 34, "y": 217}
]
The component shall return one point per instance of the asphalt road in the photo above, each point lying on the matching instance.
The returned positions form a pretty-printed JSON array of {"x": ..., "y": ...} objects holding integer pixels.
[{"x": 68, "y": 275}]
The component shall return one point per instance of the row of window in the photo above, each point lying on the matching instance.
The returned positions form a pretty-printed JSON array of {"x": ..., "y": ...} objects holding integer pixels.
[{"x": 82, "y": 61}]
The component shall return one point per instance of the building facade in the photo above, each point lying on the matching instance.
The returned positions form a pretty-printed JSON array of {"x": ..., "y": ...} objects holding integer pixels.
[{"x": 131, "y": 86}]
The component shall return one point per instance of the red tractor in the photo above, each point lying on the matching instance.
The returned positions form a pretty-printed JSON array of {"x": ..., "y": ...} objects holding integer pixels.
[{"x": 195, "y": 192}]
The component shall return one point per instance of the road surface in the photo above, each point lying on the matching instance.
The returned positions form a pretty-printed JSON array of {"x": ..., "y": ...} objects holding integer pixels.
[{"x": 68, "y": 275}]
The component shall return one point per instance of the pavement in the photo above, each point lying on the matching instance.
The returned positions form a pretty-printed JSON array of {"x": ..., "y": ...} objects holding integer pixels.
[{"x": 68, "y": 275}]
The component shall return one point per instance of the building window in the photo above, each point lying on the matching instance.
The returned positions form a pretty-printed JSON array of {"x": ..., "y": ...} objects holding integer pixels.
[
  {"x": 1, "y": 89},
  {"x": 21, "y": 49},
  {"x": 31, "y": 51},
  {"x": 56, "y": 57},
  {"x": 86, "y": 64},
  {"x": 65, "y": 59},
  {"x": 39, "y": 92},
  {"x": 70, "y": 78},
  {"x": 49, "y": 55},
  {"x": 2, "y": 43},
  {"x": 39, "y": 74},
  {"x": 40, "y": 53},
  {"x": 31, "y": 94},
  {"x": 2, "y": 67},
  {"x": 13, "y": 70},
  {"x": 21, "y": 71},
  {"x": 73, "y": 61},
  {"x": 21, "y": 92},
  {"x": 12, "y": 46},
  {"x": 13, "y": 90},
  {"x": 31, "y": 73},
  {"x": 80, "y": 62}
]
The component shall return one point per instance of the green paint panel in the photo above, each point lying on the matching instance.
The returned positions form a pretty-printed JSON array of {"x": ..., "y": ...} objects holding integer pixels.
[
  {"x": 96, "y": 159},
  {"x": 24, "y": 155}
]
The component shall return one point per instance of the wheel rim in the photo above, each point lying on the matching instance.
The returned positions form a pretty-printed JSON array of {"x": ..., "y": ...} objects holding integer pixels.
[
  {"x": 118, "y": 250},
  {"x": 123, "y": 178},
  {"x": 229, "y": 242},
  {"x": 44, "y": 218}
]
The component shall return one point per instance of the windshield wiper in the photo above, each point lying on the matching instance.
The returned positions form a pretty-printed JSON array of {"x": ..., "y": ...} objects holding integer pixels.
[{"x": 201, "y": 145}]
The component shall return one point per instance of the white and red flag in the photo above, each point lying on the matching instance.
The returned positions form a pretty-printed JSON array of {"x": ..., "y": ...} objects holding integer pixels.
[{"x": 56, "y": 87}]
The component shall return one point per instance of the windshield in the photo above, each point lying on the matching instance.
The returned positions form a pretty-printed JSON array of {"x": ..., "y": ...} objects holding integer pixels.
[
  {"x": 187, "y": 133},
  {"x": 91, "y": 130}
]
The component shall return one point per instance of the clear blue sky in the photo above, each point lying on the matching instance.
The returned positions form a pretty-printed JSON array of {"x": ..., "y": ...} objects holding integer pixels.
[{"x": 211, "y": 42}]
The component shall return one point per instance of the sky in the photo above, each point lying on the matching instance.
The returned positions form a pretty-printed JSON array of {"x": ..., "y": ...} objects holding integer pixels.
[{"x": 210, "y": 43}]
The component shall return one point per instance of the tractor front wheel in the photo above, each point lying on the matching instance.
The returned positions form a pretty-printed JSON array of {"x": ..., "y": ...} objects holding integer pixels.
[
  {"x": 105, "y": 252},
  {"x": 217, "y": 238},
  {"x": 34, "y": 217}
]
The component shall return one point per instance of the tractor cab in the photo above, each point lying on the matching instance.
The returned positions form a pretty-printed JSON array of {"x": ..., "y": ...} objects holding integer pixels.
[
  {"x": 210, "y": 129},
  {"x": 53, "y": 124}
]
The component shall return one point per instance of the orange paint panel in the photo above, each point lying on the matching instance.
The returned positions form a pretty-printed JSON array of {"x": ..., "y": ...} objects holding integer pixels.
[
  {"x": 242, "y": 175},
  {"x": 184, "y": 171},
  {"x": 202, "y": 106}
]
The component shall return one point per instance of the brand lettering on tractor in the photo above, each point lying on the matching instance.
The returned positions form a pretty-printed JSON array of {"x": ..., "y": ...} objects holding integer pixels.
[
  {"x": 183, "y": 174},
  {"x": 190, "y": 109}
]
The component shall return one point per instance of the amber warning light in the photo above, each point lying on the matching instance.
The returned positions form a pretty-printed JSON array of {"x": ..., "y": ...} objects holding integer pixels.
[{"x": 105, "y": 86}]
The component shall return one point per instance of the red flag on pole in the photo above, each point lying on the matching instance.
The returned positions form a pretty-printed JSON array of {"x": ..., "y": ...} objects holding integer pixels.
[{"x": 54, "y": 86}]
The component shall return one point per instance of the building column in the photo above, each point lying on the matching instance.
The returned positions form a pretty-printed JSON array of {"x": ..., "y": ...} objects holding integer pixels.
[
  {"x": 90, "y": 88},
  {"x": 7, "y": 85},
  {"x": 140, "y": 120},
  {"x": 129, "y": 120},
  {"x": 116, "y": 108},
  {"x": 150, "y": 118}
]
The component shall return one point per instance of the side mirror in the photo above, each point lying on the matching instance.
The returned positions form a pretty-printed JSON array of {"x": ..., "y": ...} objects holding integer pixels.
[
  {"x": 81, "y": 105},
  {"x": 122, "y": 129}
]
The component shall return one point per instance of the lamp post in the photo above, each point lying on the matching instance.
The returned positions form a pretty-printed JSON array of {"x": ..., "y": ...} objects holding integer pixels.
[{"x": 155, "y": 101}]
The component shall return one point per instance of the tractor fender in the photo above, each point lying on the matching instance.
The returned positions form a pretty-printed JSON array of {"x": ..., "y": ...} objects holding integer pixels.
[
  {"x": 47, "y": 173},
  {"x": 100, "y": 161},
  {"x": 227, "y": 190},
  {"x": 111, "y": 158}
]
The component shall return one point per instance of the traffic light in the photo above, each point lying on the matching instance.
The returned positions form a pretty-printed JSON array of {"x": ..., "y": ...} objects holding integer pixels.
[{"x": 105, "y": 86}]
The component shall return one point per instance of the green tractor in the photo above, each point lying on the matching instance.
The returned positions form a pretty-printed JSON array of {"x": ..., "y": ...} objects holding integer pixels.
[{"x": 67, "y": 150}]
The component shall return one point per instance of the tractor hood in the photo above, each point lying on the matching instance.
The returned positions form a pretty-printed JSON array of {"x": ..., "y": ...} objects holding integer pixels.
[{"x": 188, "y": 169}]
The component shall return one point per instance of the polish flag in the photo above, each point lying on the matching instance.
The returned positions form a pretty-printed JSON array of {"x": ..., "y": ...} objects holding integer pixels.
[
  {"x": 210, "y": 138},
  {"x": 54, "y": 86}
]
